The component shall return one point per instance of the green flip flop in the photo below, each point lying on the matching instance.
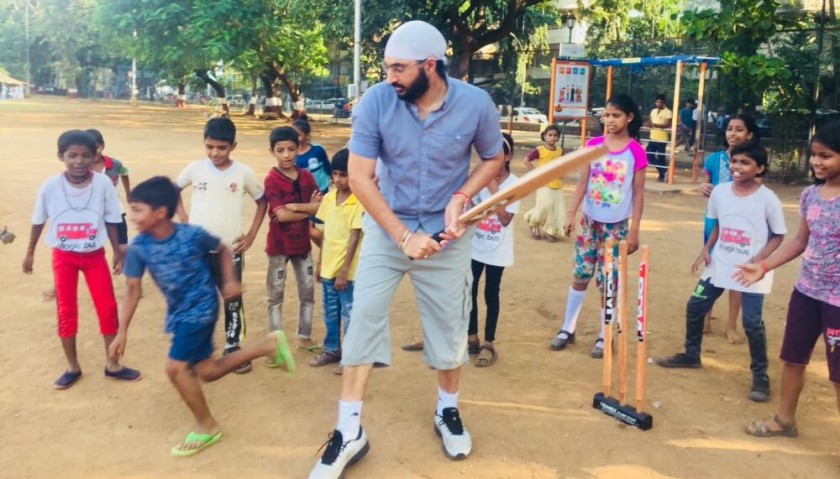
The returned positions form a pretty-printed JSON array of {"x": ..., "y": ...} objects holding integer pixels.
[
  {"x": 206, "y": 441},
  {"x": 283, "y": 356}
]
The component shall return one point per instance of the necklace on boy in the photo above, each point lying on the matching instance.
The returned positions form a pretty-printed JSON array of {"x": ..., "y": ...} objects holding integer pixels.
[{"x": 67, "y": 197}]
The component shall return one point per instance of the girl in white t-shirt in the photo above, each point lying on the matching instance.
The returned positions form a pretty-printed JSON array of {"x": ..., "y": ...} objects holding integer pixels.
[
  {"x": 611, "y": 190},
  {"x": 84, "y": 211},
  {"x": 492, "y": 251}
]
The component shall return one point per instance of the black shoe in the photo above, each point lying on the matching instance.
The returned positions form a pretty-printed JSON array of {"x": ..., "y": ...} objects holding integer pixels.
[
  {"x": 760, "y": 391},
  {"x": 679, "y": 360},
  {"x": 339, "y": 454},
  {"x": 244, "y": 367},
  {"x": 563, "y": 339}
]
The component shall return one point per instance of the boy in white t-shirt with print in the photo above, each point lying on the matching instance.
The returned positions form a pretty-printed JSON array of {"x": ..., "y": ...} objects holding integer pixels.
[
  {"x": 219, "y": 187},
  {"x": 83, "y": 211},
  {"x": 750, "y": 226},
  {"x": 492, "y": 251}
]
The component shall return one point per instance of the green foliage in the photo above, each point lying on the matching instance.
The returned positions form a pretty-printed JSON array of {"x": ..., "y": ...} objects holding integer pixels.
[{"x": 742, "y": 32}]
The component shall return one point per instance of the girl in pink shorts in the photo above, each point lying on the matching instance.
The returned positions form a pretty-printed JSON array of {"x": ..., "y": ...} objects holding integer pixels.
[{"x": 814, "y": 307}]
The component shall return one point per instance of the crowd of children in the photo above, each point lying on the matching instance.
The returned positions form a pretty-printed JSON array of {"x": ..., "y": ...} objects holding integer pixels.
[{"x": 202, "y": 257}]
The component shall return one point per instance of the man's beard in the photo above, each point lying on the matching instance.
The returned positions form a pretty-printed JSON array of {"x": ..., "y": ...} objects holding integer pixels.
[{"x": 418, "y": 88}]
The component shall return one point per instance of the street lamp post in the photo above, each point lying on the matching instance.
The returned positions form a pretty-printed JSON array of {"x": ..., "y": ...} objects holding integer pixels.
[{"x": 569, "y": 21}]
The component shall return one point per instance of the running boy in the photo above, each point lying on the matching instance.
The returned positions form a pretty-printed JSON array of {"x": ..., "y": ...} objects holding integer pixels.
[
  {"x": 178, "y": 258},
  {"x": 219, "y": 186},
  {"x": 341, "y": 213},
  {"x": 292, "y": 196},
  {"x": 83, "y": 210},
  {"x": 745, "y": 210}
]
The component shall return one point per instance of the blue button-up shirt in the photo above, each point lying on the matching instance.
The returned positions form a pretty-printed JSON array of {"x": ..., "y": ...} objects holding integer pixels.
[{"x": 422, "y": 163}]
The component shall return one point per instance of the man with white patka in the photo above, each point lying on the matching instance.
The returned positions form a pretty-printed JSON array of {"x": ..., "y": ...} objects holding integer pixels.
[{"x": 422, "y": 126}]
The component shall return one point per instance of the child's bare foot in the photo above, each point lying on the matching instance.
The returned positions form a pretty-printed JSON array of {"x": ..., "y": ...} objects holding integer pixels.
[
  {"x": 535, "y": 233},
  {"x": 734, "y": 336}
]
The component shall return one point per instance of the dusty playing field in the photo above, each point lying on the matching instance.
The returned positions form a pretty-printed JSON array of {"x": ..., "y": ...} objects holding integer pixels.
[{"x": 530, "y": 414}]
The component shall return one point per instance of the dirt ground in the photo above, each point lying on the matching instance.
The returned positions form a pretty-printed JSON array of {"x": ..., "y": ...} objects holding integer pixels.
[{"x": 530, "y": 414}]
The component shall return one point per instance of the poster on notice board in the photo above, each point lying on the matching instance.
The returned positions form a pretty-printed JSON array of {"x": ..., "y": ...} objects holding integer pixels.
[{"x": 569, "y": 89}]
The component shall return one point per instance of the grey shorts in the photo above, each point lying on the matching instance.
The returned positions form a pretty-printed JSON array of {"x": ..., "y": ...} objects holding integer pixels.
[{"x": 442, "y": 285}]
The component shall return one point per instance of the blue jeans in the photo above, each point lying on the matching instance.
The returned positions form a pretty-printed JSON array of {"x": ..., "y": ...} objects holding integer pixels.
[
  {"x": 337, "y": 306},
  {"x": 702, "y": 299}
]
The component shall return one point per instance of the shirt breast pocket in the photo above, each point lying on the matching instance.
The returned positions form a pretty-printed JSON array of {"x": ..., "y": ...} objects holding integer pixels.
[{"x": 450, "y": 144}]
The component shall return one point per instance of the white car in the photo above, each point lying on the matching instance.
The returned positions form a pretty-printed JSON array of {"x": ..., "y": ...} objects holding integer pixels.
[{"x": 528, "y": 115}]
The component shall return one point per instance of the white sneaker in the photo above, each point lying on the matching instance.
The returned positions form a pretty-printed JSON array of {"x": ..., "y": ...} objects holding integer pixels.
[
  {"x": 339, "y": 454},
  {"x": 457, "y": 443}
]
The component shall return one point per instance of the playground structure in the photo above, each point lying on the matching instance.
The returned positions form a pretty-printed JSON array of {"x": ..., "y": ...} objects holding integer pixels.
[{"x": 679, "y": 61}]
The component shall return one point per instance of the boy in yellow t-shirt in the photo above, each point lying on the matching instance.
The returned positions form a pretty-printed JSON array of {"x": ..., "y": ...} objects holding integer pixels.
[{"x": 341, "y": 213}]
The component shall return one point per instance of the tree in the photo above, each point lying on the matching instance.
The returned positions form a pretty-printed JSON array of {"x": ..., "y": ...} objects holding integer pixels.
[
  {"x": 738, "y": 32},
  {"x": 468, "y": 25}
]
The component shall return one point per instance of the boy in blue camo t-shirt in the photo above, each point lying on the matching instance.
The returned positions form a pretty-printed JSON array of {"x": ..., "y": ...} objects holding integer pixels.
[{"x": 177, "y": 256}]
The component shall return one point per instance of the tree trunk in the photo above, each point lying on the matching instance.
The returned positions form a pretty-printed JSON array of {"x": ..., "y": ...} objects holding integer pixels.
[
  {"x": 461, "y": 60},
  {"x": 217, "y": 87},
  {"x": 252, "y": 103},
  {"x": 273, "y": 109},
  {"x": 181, "y": 99}
]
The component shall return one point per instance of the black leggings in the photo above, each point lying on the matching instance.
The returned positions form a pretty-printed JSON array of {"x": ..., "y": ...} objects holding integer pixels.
[{"x": 491, "y": 298}]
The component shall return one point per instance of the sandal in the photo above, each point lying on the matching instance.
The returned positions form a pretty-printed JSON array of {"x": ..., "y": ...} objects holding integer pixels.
[
  {"x": 326, "y": 357},
  {"x": 473, "y": 348},
  {"x": 283, "y": 355},
  {"x": 206, "y": 441},
  {"x": 765, "y": 428},
  {"x": 551, "y": 238},
  {"x": 486, "y": 360},
  {"x": 413, "y": 347}
]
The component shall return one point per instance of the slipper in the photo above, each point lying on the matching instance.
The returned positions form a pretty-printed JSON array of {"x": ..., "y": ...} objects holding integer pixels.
[
  {"x": 67, "y": 379},
  {"x": 283, "y": 355},
  {"x": 124, "y": 374},
  {"x": 206, "y": 441},
  {"x": 314, "y": 349},
  {"x": 483, "y": 361},
  {"x": 413, "y": 347},
  {"x": 762, "y": 429}
]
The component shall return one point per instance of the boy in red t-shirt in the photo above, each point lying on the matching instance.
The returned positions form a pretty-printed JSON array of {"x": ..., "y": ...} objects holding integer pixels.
[{"x": 293, "y": 197}]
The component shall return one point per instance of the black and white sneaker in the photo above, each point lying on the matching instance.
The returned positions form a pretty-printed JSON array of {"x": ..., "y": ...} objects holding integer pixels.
[
  {"x": 340, "y": 454},
  {"x": 457, "y": 443}
]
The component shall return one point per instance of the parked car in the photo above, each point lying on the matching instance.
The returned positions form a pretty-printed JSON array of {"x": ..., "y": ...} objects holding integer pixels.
[{"x": 528, "y": 115}]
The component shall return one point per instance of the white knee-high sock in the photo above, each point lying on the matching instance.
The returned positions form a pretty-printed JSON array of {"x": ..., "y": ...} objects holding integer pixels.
[
  {"x": 574, "y": 303},
  {"x": 349, "y": 419},
  {"x": 603, "y": 314},
  {"x": 446, "y": 400}
]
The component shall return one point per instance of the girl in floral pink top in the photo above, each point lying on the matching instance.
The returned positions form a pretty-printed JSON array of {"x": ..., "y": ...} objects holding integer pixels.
[{"x": 814, "y": 308}]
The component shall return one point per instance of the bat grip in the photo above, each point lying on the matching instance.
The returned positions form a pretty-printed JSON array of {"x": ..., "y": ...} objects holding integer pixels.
[{"x": 435, "y": 237}]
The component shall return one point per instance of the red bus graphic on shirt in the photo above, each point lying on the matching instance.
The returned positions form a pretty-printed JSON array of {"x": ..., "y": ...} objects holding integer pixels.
[
  {"x": 733, "y": 235},
  {"x": 491, "y": 225},
  {"x": 76, "y": 231}
]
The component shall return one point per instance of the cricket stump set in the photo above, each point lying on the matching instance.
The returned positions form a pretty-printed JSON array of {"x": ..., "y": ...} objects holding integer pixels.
[{"x": 615, "y": 312}]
